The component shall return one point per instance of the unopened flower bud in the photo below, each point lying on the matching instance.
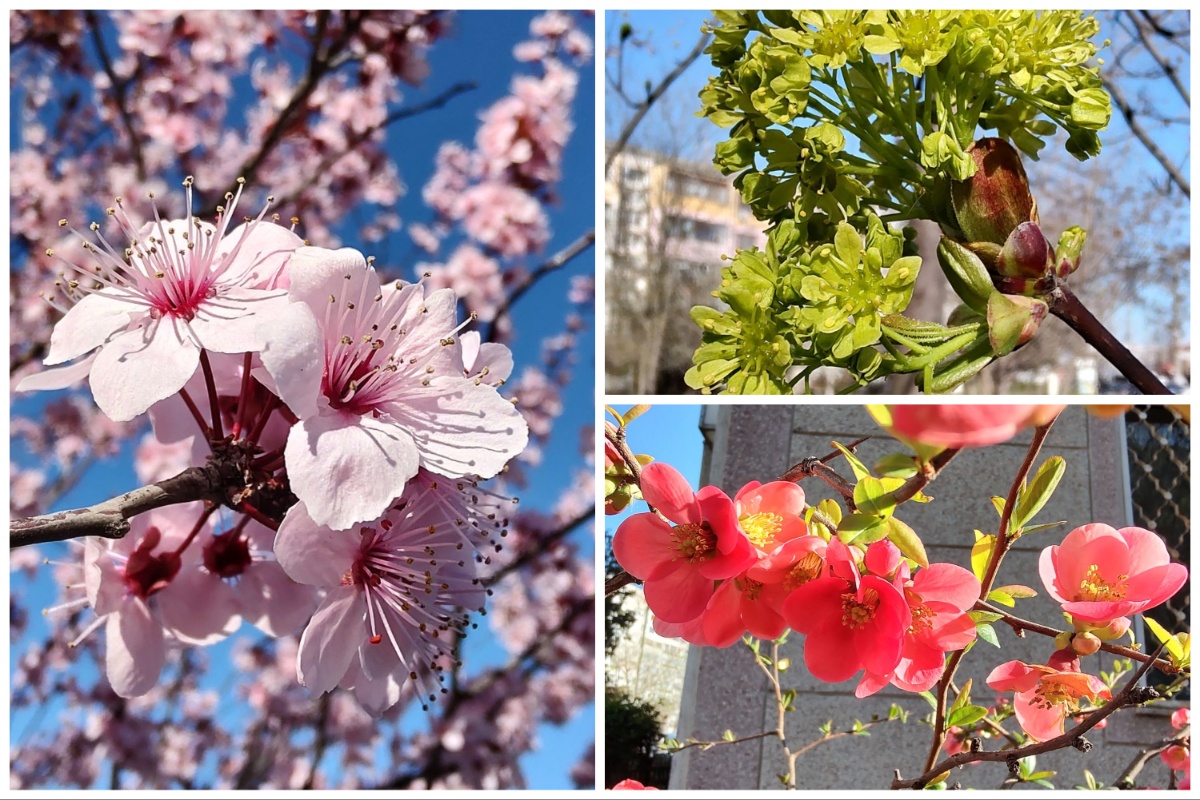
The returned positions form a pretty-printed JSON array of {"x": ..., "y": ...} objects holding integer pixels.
[
  {"x": 996, "y": 199},
  {"x": 1084, "y": 644},
  {"x": 1013, "y": 320},
  {"x": 1026, "y": 253},
  {"x": 1069, "y": 250}
]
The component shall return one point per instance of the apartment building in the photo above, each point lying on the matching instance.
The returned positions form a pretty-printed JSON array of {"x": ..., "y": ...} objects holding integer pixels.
[{"x": 668, "y": 225}]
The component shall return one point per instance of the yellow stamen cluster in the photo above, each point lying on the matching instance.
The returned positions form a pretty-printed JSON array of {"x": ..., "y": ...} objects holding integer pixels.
[
  {"x": 761, "y": 529},
  {"x": 806, "y": 569},
  {"x": 1094, "y": 588},
  {"x": 857, "y": 613},
  {"x": 694, "y": 542},
  {"x": 922, "y": 619},
  {"x": 749, "y": 587}
]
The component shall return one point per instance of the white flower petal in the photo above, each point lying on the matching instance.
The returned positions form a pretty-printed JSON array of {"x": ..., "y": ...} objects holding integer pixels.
[
  {"x": 136, "y": 649},
  {"x": 140, "y": 367},
  {"x": 57, "y": 377},
  {"x": 331, "y": 640},
  {"x": 347, "y": 468},
  {"x": 234, "y": 320},
  {"x": 89, "y": 324},
  {"x": 313, "y": 554},
  {"x": 293, "y": 357}
]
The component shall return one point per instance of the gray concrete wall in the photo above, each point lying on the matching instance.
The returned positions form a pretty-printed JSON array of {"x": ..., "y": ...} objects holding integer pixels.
[{"x": 723, "y": 688}]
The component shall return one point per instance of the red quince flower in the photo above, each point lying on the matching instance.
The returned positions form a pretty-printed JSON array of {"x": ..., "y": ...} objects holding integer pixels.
[{"x": 1047, "y": 694}]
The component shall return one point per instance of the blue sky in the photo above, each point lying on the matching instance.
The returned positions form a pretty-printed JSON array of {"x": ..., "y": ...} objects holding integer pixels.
[
  {"x": 477, "y": 40},
  {"x": 668, "y": 36}
]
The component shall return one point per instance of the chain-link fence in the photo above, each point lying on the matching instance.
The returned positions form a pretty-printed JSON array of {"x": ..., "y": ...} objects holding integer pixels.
[{"x": 1159, "y": 442}]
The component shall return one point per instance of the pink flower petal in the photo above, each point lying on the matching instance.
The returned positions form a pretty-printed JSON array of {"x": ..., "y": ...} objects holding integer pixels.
[
  {"x": 679, "y": 597},
  {"x": 198, "y": 608},
  {"x": 722, "y": 618},
  {"x": 814, "y": 603},
  {"x": 347, "y": 468},
  {"x": 1014, "y": 676},
  {"x": 947, "y": 583},
  {"x": 271, "y": 601},
  {"x": 293, "y": 356},
  {"x": 828, "y": 654},
  {"x": 140, "y": 367},
  {"x": 136, "y": 649},
  {"x": 57, "y": 378},
  {"x": 237, "y": 320},
  {"x": 644, "y": 548},
  {"x": 665, "y": 489},
  {"x": 331, "y": 640},
  {"x": 1036, "y": 719},
  {"x": 263, "y": 249},
  {"x": 313, "y": 554},
  {"x": 1146, "y": 549}
]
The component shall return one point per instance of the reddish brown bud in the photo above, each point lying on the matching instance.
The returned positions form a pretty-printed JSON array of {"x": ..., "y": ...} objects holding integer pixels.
[{"x": 996, "y": 199}]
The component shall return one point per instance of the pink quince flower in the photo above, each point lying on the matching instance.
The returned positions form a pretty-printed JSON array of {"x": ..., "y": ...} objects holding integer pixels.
[
  {"x": 398, "y": 590},
  {"x": 938, "y": 597},
  {"x": 178, "y": 287},
  {"x": 1099, "y": 573},
  {"x": 851, "y": 621},
  {"x": 679, "y": 563},
  {"x": 771, "y": 516},
  {"x": 1047, "y": 694},
  {"x": 1181, "y": 718},
  {"x": 630, "y": 783},
  {"x": 691, "y": 631},
  {"x": 962, "y": 425},
  {"x": 377, "y": 378}
]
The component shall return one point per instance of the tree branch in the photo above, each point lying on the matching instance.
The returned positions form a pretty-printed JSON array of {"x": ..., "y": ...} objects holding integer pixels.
[
  {"x": 651, "y": 97},
  {"x": 1131, "y": 695},
  {"x": 1128, "y": 776},
  {"x": 120, "y": 87},
  {"x": 553, "y": 264},
  {"x": 110, "y": 519},
  {"x": 1127, "y": 111},
  {"x": 1067, "y": 307}
]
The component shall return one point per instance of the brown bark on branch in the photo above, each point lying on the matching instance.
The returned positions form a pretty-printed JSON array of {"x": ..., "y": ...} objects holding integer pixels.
[
  {"x": 1130, "y": 695},
  {"x": 110, "y": 519}
]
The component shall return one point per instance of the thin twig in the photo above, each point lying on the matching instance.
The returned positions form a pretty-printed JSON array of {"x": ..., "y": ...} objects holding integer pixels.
[
  {"x": 120, "y": 87},
  {"x": 924, "y": 477},
  {"x": 1130, "y": 695},
  {"x": 552, "y": 264},
  {"x": 1131, "y": 119},
  {"x": 1018, "y": 625},
  {"x": 1128, "y": 776},
  {"x": 651, "y": 97}
]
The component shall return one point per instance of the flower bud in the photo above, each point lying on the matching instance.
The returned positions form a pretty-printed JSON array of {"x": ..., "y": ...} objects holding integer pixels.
[
  {"x": 1013, "y": 320},
  {"x": 1026, "y": 253},
  {"x": 996, "y": 199},
  {"x": 1084, "y": 644},
  {"x": 1069, "y": 250},
  {"x": 967, "y": 274}
]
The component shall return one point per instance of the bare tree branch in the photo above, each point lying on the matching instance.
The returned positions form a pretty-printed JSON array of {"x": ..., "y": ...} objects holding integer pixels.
[
  {"x": 110, "y": 519},
  {"x": 651, "y": 96},
  {"x": 1144, "y": 137},
  {"x": 553, "y": 264}
]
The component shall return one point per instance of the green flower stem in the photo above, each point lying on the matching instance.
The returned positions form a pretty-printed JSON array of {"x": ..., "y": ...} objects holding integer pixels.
[
  {"x": 932, "y": 356},
  {"x": 868, "y": 70}
]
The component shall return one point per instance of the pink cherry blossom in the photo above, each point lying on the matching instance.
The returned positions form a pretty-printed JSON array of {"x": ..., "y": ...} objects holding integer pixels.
[
  {"x": 938, "y": 597},
  {"x": 178, "y": 287},
  {"x": 964, "y": 425},
  {"x": 1047, "y": 694},
  {"x": 851, "y": 621},
  {"x": 130, "y": 584},
  {"x": 679, "y": 563},
  {"x": 376, "y": 376},
  {"x": 398, "y": 590},
  {"x": 1099, "y": 573}
]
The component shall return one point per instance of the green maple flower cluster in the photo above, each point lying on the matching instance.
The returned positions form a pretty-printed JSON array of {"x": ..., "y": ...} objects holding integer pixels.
[{"x": 836, "y": 116}]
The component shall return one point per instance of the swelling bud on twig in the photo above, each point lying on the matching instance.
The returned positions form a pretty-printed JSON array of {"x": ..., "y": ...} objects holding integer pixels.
[
  {"x": 1069, "y": 250},
  {"x": 996, "y": 199},
  {"x": 967, "y": 274},
  {"x": 1013, "y": 320}
]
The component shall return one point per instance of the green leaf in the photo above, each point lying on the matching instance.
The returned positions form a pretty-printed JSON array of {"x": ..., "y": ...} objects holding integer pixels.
[
  {"x": 998, "y": 504},
  {"x": 1032, "y": 498},
  {"x": 1174, "y": 647},
  {"x": 964, "y": 696},
  {"x": 896, "y": 465},
  {"x": 907, "y": 540},
  {"x": 1016, "y": 590},
  {"x": 981, "y": 553},
  {"x": 1003, "y": 598},
  {"x": 635, "y": 412},
  {"x": 728, "y": 735},
  {"x": 988, "y": 634},
  {"x": 871, "y": 497},
  {"x": 859, "y": 468},
  {"x": 1039, "y": 776},
  {"x": 929, "y": 698},
  {"x": 966, "y": 716}
]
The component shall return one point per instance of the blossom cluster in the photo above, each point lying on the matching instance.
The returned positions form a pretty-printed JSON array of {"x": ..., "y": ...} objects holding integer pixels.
[
  {"x": 715, "y": 569},
  {"x": 861, "y": 609},
  {"x": 362, "y": 414}
]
